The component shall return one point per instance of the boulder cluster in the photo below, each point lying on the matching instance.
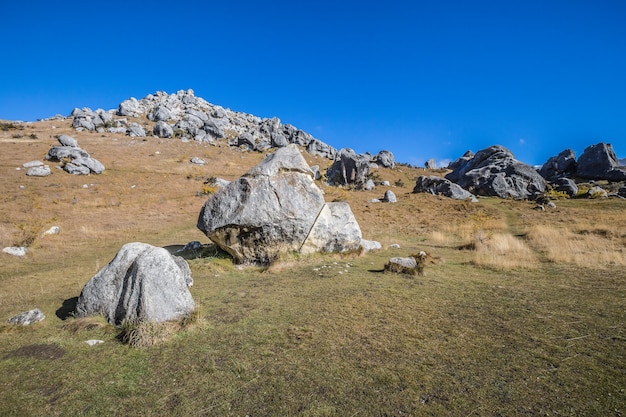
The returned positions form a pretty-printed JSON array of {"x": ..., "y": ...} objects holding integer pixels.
[
  {"x": 189, "y": 117},
  {"x": 598, "y": 162},
  {"x": 73, "y": 160}
]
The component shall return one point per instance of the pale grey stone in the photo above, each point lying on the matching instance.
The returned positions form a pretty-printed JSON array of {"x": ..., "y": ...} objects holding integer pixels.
[
  {"x": 28, "y": 317},
  {"x": 16, "y": 250},
  {"x": 66, "y": 140},
  {"x": 39, "y": 171}
]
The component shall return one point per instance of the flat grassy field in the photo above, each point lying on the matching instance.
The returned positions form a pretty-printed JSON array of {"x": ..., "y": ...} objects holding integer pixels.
[{"x": 520, "y": 312}]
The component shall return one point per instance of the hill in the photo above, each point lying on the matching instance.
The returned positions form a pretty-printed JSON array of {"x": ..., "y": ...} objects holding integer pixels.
[{"x": 520, "y": 311}]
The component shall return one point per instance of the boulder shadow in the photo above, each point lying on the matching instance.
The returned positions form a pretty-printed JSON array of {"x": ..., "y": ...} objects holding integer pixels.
[
  {"x": 67, "y": 309},
  {"x": 195, "y": 251}
]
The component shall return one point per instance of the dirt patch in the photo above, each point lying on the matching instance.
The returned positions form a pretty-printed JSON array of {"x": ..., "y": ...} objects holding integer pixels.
[{"x": 37, "y": 351}]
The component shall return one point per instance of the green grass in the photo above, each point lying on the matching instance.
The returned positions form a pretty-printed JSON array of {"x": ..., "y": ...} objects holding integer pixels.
[{"x": 309, "y": 340}]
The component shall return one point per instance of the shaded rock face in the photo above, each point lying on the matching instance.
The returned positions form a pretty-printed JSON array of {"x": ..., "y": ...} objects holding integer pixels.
[
  {"x": 274, "y": 208},
  {"x": 598, "y": 162},
  {"x": 441, "y": 186},
  {"x": 467, "y": 156},
  {"x": 142, "y": 283},
  {"x": 562, "y": 165},
  {"x": 495, "y": 172},
  {"x": 348, "y": 168},
  {"x": 567, "y": 186}
]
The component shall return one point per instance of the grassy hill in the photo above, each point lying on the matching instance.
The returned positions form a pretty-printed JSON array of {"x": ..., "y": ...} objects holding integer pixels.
[{"x": 520, "y": 311}]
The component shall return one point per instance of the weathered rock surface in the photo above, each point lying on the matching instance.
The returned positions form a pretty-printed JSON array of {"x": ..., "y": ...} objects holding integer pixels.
[
  {"x": 370, "y": 245},
  {"x": 385, "y": 159},
  {"x": 407, "y": 265},
  {"x": 28, "y": 317},
  {"x": 598, "y": 162},
  {"x": 66, "y": 140},
  {"x": 566, "y": 185},
  {"x": 335, "y": 230},
  {"x": 431, "y": 164},
  {"x": 562, "y": 165},
  {"x": 390, "y": 197},
  {"x": 274, "y": 208},
  {"x": 495, "y": 172},
  {"x": 39, "y": 171},
  {"x": 348, "y": 168},
  {"x": 442, "y": 186},
  {"x": 15, "y": 250},
  {"x": 142, "y": 283}
]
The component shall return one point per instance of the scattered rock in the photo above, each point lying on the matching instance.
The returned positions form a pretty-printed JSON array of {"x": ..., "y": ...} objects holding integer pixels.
[
  {"x": 66, "y": 140},
  {"x": 410, "y": 265},
  {"x": 562, "y": 165},
  {"x": 394, "y": 246},
  {"x": 390, "y": 197},
  {"x": 385, "y": 159},
  {"x": 142, "y": 283},
  {"x": 16, "y": 250},
  {"x": 32, "y": 164},
  {"x": 442, "y": 186},
  {"x": 348, "y": 168},
  {"x": 495, "y": 172},
  {"x": 598, "y": 162},
  {"x": 431, "y": 164},
  {"x": 370, "y": 245},
  {"x": 198, "y": 161},
  {"x": 163, "y": 130},
  {"x": 28, "y": 317},
  {"x": 566, "y": 185},
  {"x": 39, "y": 171},
  {"x": 94, "y": 342},
  {"x": 54, "y": 230},
  {"x": 596, "y": 192},
  {"x": 369, "y": 185}
]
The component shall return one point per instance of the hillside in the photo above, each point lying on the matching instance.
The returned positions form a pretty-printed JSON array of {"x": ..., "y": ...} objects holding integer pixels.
[{"x": 520, "y": 311}]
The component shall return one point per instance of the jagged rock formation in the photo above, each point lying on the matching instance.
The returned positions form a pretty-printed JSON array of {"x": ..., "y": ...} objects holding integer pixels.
[
  {"x": 189, "y": 117},
  {"x": 349, "y": 168},
  {"x": 74, "y": 159},
  {"x": 275, "y": 208},
  {"x": 442, "y": 186},
  {"x": 560, "y": 166},
  {"x": 142, "y": 283},
  {"x": 598, "y": 162},
  {"x": 495, "y": 172}
]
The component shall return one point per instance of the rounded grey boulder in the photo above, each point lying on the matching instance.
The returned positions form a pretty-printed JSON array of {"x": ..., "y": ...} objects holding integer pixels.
[{"x": 143, "y": 283}]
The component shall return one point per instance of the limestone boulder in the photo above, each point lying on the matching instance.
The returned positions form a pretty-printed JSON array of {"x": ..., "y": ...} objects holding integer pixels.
[
  {"x": 143, "y": 283},
  {"x": 494, "y": 171},
  {"x": 385, "y": 159},
  {"x": 275, "y": 208},
  {"x": 442, "y": 186},
  {"x": 348, "y": 168},
  {"x": 560, "y": 166},
  {"x": 598, "y": 162}
]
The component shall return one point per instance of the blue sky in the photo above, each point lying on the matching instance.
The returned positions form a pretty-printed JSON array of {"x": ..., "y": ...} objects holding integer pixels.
[{"x": 422, "y": 79}]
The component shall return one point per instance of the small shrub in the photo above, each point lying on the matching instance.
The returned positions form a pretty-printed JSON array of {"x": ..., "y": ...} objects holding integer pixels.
[
  {"x": 553, "y": 194},
  {"x": 33, "y": 136},
  {"x": 5, "y": 126},
  {"x": 399, "y": 183},
  {"x": 17, "y": 136}
]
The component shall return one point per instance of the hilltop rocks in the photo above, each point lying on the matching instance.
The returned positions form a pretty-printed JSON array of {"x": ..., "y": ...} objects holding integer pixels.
[
  {"x": 274, "y": 208},
  {"x": 562, "y": 165},
  {"x": 142, "y": 283},
  {"x": 495, "y": 172},
  {"x": 442, "y": 186},
  {"x": 385, "y": 159},
  {"x": 599, "y": 162}
]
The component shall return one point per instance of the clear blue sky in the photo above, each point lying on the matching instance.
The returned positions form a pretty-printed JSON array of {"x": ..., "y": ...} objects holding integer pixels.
[{"x": 420, "y": 78}]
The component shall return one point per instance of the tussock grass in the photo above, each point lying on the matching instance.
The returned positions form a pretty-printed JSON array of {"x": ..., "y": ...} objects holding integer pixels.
[
  {"x": 503, "y": 252},
  {"x": 313, "y": 335},
  {"x": 600, "y": 248}
]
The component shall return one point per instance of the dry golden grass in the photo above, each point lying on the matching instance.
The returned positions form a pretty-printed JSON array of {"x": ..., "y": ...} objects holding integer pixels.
[
  {"x": 314, "y": 335},
  {"x": 602, "y": 248}
]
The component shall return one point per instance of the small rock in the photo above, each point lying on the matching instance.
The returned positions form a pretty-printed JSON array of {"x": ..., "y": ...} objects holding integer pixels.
[
  {"x": 15, "y": 250},
  {"x": 28, "y": 317},
  {"x": 32, "y": 164},
  {"x": 39, "y": 171},
  {"x": 198, "y": 161},
  {"x": 390, "y": 197},
  {"x": 66, "y": 140},
  {"x": 370, "y": 245},
  {"x": 394, "y": 246},
  {"x": 54, "y": 230},
  {"x": 94, "y": 342}
]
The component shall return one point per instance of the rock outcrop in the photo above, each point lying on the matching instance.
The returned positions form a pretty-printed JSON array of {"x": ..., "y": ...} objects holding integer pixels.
[
  {"x": 349, "y": 168},
  {"x": 561, "y": 166},
  {"x": 143, "y": 283},
  {"x": 442, "y": 186},
  {"x": 275, "y": 208},
  {"x": 74, "y": 160},
  {"x": 495, "y": 172},
  {"x": 598, "y": 162}
]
